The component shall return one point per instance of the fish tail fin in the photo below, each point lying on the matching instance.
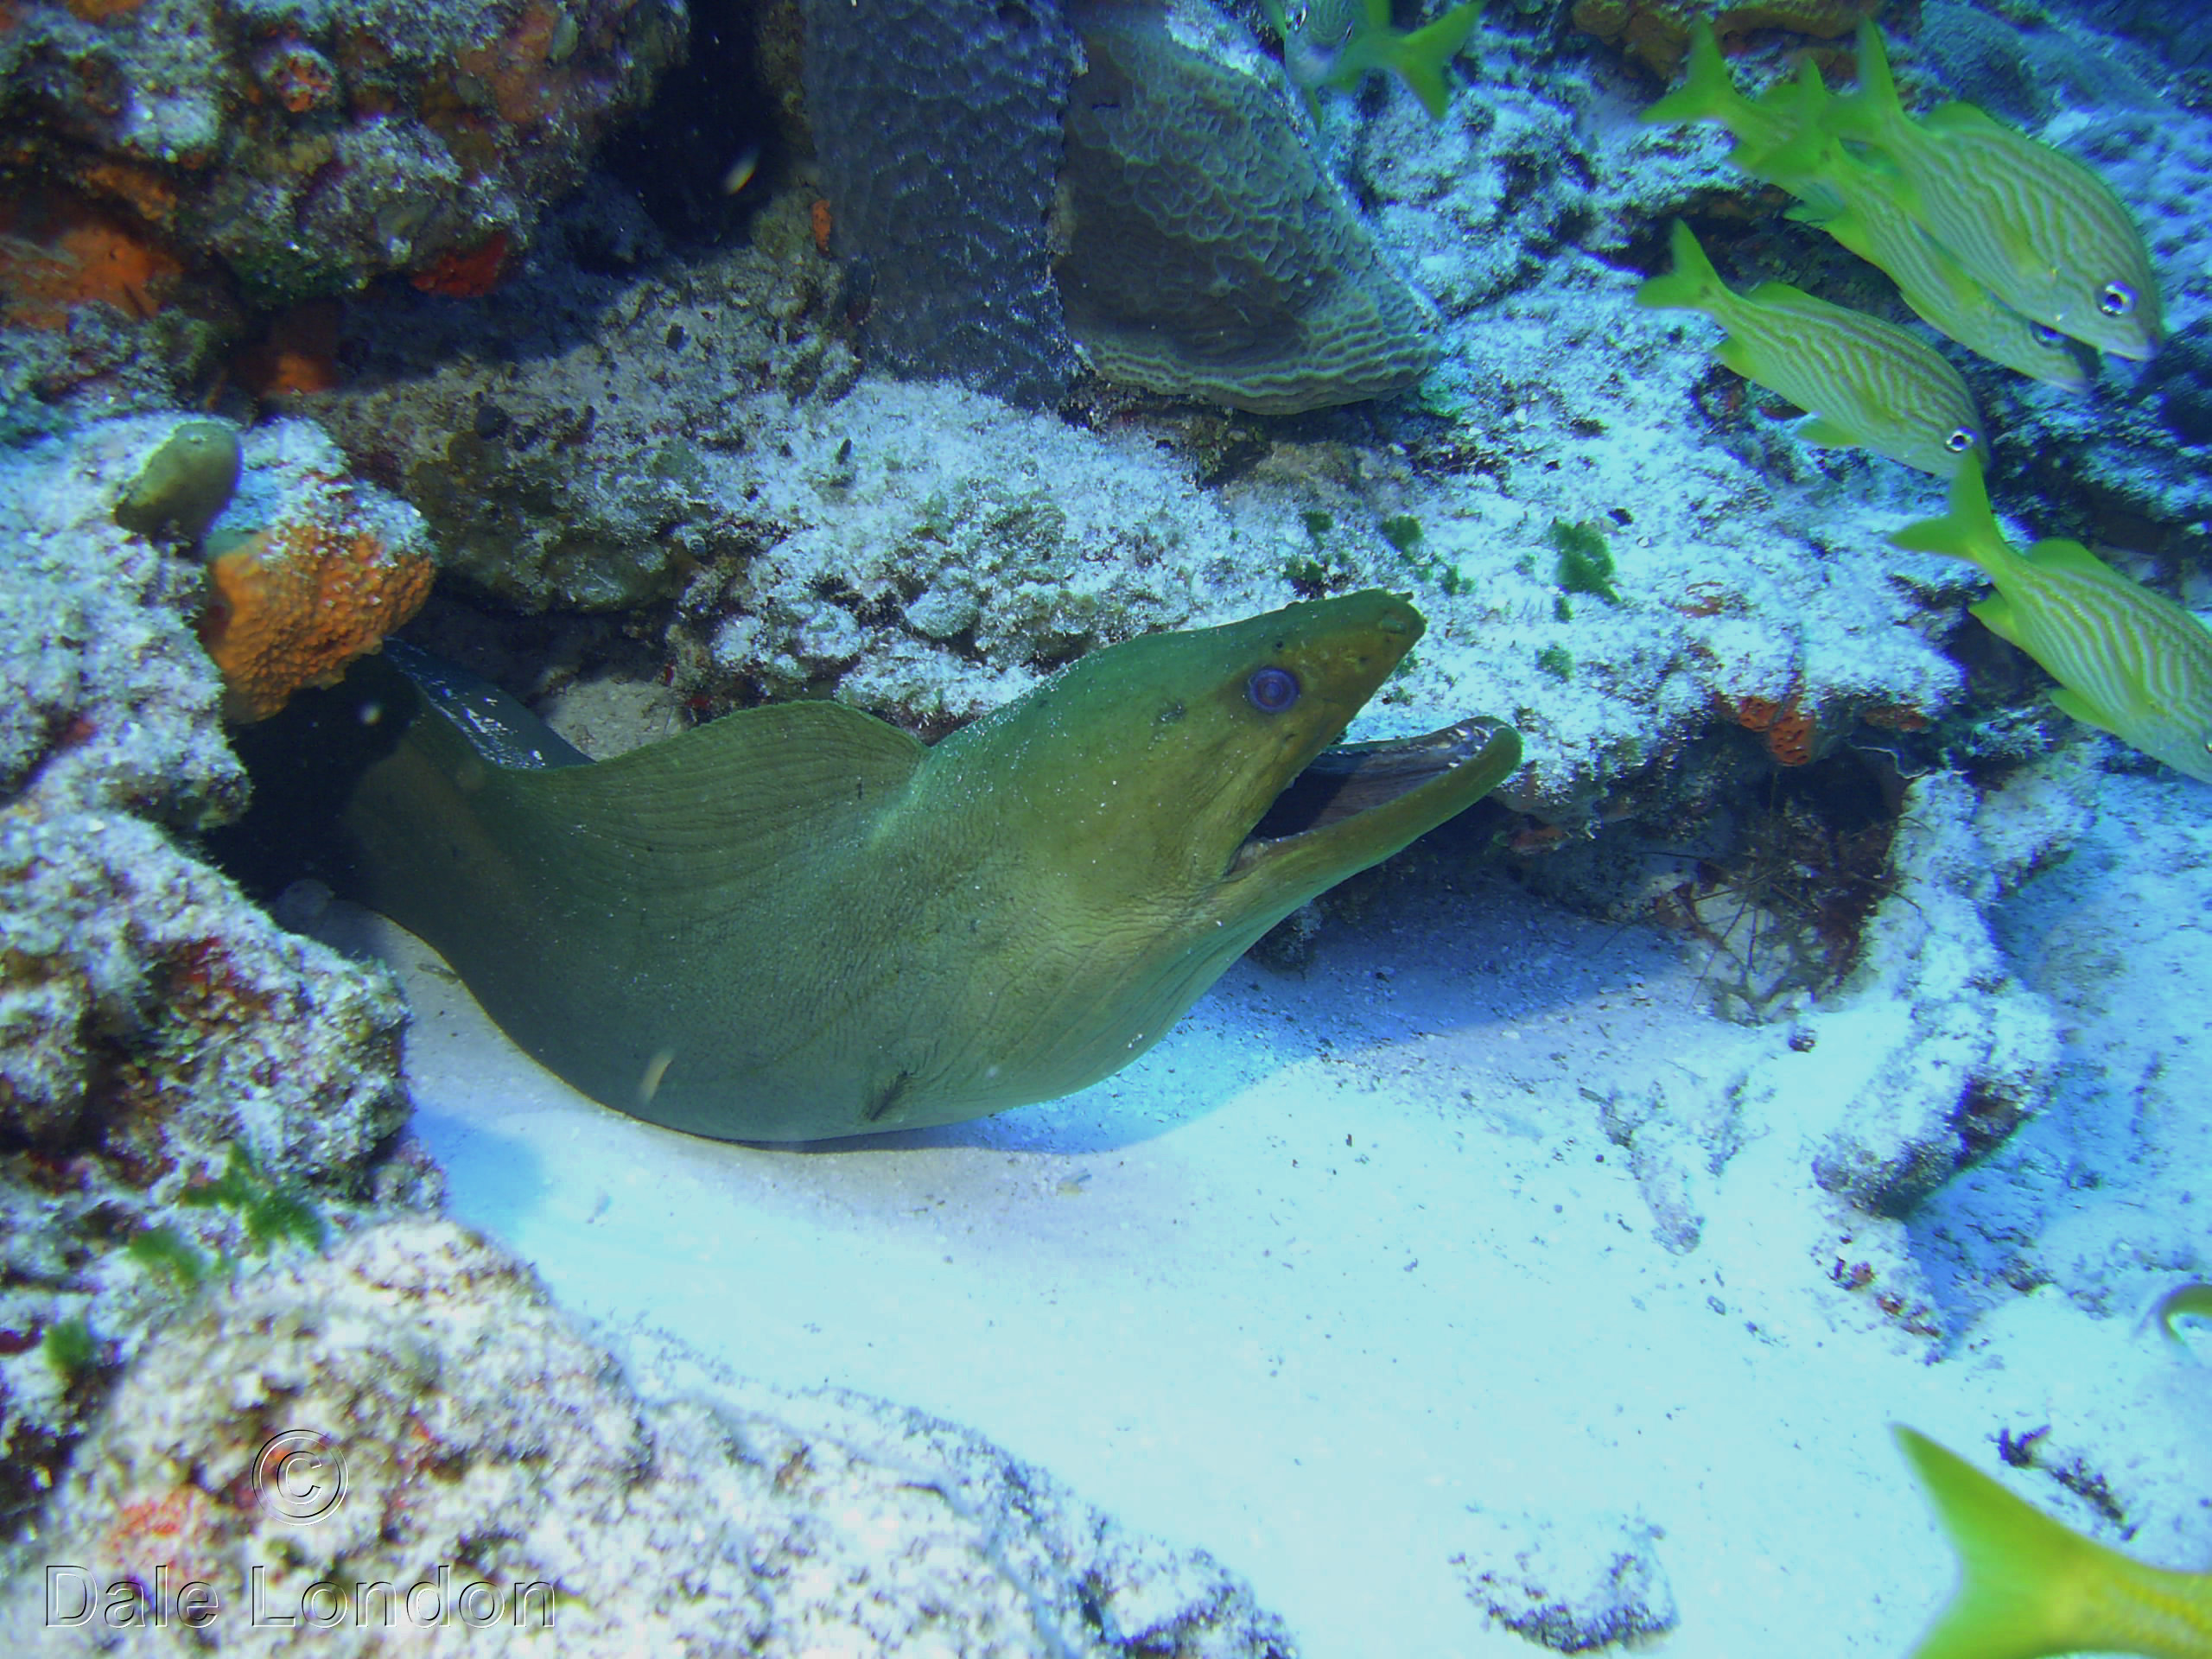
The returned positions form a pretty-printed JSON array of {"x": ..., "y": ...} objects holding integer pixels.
[
  {"x": 1421, "y": 58},
  {"x": 1873, "y": 112},
  {"x": 1802, "y": 150},
  {"x": 2030, "y": 1585},
  {"x": 1692, "y": 285},
  {"x": 1968, "y": 530},
  {"x": 1710, "y": 92}
]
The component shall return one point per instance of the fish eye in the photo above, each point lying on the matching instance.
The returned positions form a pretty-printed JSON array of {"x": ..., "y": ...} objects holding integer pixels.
[
  {"x": 2117, "y": 300},
  {"x": 1962, "y": 439},
  {"x": 1272, "y": 689}
]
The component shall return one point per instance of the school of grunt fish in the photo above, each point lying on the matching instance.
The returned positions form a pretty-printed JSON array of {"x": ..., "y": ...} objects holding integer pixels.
[{"x": 2015, "y": 250}]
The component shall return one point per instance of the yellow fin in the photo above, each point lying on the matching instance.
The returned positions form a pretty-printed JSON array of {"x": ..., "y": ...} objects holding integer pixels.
[
  {"x": 2030, "y": 1587},
  {"x": 2070, "y": 703}
]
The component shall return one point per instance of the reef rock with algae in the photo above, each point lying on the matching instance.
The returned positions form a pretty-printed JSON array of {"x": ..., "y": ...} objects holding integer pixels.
[
  {"x": 569, "y": 438},
  {"x": 106, "y": 700},
  {"x": 309, "y": 147},
  {"x": 151, "y": 1019},
  {"x": 602, "y": 1507}
]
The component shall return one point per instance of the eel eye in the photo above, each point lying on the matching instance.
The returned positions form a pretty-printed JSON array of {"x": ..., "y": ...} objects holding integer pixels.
[
  {"x": 1962, "y": 439},
  {"x": 2047, "y": 336},
  {"x": 2117, "y": 300},
  {"x": 1271, "y": 690}
]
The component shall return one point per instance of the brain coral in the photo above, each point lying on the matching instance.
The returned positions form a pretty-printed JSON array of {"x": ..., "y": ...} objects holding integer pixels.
[
  {"x": 312, "y": 146},
  {"x": 1202, "y": 250},
  {"x": 1209, "y": 255},
  {"x": 936, "y": 124}
]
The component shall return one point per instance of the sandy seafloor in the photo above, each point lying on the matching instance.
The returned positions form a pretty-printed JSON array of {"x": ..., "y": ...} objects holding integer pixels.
[{"x": 1344, "y": 1276}]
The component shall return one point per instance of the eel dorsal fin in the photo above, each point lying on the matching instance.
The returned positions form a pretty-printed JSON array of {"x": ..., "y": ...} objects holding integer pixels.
[{"x": 762, "y": 792}]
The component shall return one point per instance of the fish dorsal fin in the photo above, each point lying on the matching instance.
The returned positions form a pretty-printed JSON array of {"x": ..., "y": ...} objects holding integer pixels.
[
  {"x": 1784, "y": 294},
  {"x": 2056, "y": 553},
  {"x": 1957, "y": 117}
]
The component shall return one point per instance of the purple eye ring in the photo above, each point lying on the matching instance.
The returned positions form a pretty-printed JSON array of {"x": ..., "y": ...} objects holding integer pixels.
[{"x": 1271, "y": 689}]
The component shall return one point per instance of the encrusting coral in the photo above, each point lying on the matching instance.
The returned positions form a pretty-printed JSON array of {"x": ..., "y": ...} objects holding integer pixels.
[{"x": 292, "y": 606}]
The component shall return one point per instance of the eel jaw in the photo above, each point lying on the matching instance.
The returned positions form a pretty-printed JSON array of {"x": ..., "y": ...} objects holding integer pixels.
[{"x": 1366, "y": 792}]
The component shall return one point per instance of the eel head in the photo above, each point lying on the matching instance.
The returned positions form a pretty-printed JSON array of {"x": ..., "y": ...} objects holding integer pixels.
[{"x": 1198, "y": 767}]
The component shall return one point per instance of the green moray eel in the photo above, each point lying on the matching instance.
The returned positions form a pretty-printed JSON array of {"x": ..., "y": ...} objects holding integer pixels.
[{"x": 798, "y": 922}]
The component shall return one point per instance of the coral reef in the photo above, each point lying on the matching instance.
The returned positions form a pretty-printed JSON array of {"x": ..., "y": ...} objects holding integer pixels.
[
  {"x": 703, "y": 448},
  {"x": 153, "y": 1013},
  {"x": 1655, "y": 33},
  {"x": 107, "y": 701},
  {"x": 1210, "y": 254},
  {"x": 930, "y": 556},
  {"x": 485, "y": 1442},
  {"x": 582, "y": 437},
  {"x": 1913, "y": 1051},
  {"x": 2028, "y": 75},
  {"x": 59, "y": 255},
  {"x": 310, "y": 148},
  {"x": 2184, "y": 38},
  {"x": 152, "y": 1020},
  {"x": 1953, "y": 1053}
]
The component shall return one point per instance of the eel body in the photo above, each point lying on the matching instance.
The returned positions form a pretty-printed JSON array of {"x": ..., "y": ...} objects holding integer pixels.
[{"x": 798, "y": 922}]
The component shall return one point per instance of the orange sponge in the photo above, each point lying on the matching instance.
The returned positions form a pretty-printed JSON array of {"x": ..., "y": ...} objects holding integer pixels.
[{"x": 298, "y": 603}]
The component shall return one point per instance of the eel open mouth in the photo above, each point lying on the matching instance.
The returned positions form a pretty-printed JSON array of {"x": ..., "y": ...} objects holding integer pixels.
[{"x": 1351, "y": 779}]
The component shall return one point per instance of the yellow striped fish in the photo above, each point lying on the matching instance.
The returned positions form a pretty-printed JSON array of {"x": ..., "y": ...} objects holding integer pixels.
[
  {"x": 1867, "y": 383},
  {"x": 2045, "y": 234},
  {"x": 2128, "y": 661},
  {"x": 1940, "y": 290},
  {"x": 2030, "y": 1586},
  {"x": 1784, "y": 138}
]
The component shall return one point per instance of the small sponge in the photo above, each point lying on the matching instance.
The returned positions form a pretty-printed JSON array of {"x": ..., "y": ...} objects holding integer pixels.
[
  {"x": 293, "y": 606},
  {"x": 1209, "y": 255},
  {"x": 185, "y": 485}
]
